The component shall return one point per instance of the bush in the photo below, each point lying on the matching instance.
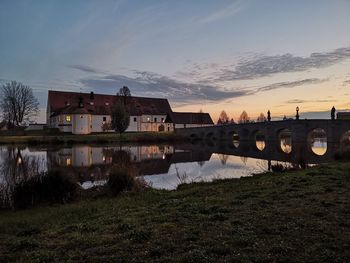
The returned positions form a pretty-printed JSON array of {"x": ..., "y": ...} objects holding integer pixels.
[
  {"x": 52, "y": 187},
  {"x": 122, "y": 178}
]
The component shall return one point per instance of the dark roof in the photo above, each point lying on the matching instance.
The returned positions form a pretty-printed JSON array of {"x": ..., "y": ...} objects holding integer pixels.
[
  {"x": 63, "y": 102},
  {"x": 189, "y": 118}
]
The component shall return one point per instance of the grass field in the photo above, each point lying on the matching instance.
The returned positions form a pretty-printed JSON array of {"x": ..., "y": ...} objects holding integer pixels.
[{"x": 295, "y": 216}]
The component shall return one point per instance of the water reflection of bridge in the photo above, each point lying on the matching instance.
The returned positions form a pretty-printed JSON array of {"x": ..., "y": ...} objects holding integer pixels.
[{"x": 302, "y": 152}]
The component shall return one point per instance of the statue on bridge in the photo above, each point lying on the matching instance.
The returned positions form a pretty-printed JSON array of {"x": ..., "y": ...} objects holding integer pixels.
[
  {"x": 268, "y": 115},
  {"x": 333, "y": 113}
]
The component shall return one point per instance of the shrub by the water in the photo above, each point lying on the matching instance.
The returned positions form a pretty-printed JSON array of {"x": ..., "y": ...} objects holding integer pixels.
[
  {"x": 52, "y": 187},
  {"x": 122, "y": 178}
]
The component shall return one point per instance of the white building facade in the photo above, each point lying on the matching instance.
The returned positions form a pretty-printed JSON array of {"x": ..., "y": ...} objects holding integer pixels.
[{"x": 84, "y": 113}]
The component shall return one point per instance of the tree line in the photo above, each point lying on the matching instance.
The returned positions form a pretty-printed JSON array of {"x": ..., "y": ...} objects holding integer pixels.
[{"x": 243, "y": 118}]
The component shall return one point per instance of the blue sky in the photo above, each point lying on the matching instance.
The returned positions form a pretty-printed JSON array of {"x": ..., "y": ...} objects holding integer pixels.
[{"x": 248, "y": 55}]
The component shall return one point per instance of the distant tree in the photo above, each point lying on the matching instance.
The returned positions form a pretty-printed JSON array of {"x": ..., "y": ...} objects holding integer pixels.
[
  {"x": 120, "y": 118},
  {"x": 243, "y": 118},
  {"x": 17, "y": 103},
  {"x": 124, "y": 91},
  {"x": 232, "y": 120},
  {"x": 223, "y": 117},
  {"x": 261, "y": 118}
]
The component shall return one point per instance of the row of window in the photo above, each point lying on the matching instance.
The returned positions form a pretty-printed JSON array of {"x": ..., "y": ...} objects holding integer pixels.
[
  {"x": 68, "y": 119},
  {"x": 149, "y": 119}
]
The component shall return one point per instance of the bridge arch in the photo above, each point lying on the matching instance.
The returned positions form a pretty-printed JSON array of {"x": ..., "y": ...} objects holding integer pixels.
[
  {"x": 345, "y": 139},
  {"x": 317, "y": 141},
  {"x": 234, "y": 138},
  {"x": 284, "y": 138},
  {"x": 258, "y": 136}
]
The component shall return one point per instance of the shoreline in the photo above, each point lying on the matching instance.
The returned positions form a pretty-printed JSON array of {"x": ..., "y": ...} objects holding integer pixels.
[{"x": 33, "y": 139}]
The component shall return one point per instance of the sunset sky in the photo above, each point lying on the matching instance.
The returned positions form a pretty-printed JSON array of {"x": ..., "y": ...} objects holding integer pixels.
[{"x": 251, "y": 55}]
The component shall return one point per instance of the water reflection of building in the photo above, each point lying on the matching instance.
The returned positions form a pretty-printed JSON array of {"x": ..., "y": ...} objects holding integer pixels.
[{"x": 90, "y": 165}]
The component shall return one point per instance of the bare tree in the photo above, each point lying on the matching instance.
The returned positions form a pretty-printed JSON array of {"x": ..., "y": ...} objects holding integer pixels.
[
  {"x": 261, "y": 118},
  {"x": 17, "y": 103},
  {"x": 223, "y": 117},
  {"x": 243, "y": 118},
  {"x": 124, "y": 92}
]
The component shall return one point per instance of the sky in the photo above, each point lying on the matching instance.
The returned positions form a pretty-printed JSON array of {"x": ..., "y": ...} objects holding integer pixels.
[{"x": 232, "y": 55}]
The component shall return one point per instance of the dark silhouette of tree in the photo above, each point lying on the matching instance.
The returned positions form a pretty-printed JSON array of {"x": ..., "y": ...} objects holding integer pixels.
[
  {"x": 120, "y": 118},
  {"x": 223, "y": 118},
  {"x": 124, "y": 93},
  {"x": 261, "y": 118},
  {"x": 232, "y": 120},
  {"x": 17, "y": 103},
  {"x": 243, "y": 118}
]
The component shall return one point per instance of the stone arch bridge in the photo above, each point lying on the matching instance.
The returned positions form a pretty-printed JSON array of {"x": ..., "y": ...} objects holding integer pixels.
[{"x": 299, "y": 129}]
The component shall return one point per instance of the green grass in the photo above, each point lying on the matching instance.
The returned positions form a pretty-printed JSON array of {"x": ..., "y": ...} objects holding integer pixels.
[
  {"x": 295, "y": 216},
  {"x": 62, "y": 138}
]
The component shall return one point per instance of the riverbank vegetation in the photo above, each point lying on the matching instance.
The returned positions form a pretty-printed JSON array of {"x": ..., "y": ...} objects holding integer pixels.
[
  {"x": 291, "y": 217},
  {"x": 46, "y": 137}
]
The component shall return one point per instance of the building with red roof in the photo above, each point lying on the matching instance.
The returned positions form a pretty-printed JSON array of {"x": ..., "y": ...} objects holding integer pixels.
[{"x": 85, "y": 113}]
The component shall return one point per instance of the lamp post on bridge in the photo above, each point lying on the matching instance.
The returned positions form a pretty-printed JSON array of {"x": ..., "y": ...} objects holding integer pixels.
[{"x": 297, "y": 116}]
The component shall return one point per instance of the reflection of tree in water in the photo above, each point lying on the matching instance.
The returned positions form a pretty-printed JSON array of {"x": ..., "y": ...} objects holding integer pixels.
[
  {"x": 244, "y": 159},
  {"x": 223, "y": 158},
  {"x": 122, "y": 174},
  {"x": 201, "y": 163},
  {"x": 23, "y": 183}
]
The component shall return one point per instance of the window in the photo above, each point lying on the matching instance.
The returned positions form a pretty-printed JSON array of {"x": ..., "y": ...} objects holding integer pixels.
[
  {"x": 68, "y": 118},
  {"x": 155, "y": 119},
  {"x": 81, "y": 116},
  {"x": 162, "y": 119},
  {"x": 135, "y": 119},
  {"x": 148, "y": 119},
  {"x": 104, "y": 118}
]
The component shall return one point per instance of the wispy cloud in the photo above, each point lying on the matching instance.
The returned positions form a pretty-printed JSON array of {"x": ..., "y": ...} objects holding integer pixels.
[
  {"x": 290, "y": 84},
  {"x": 223, "y": 13},
  {"x": 151, "y": 84},
  {"x": 144, "y": 83},
  {"x": 86, "y": 69},
  {"x": 299, "y": 101},
  {"x": 262, "y": 66}
]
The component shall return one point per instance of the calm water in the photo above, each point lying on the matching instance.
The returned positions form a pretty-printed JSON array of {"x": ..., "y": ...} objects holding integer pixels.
[{"x": 161, "y": 166}]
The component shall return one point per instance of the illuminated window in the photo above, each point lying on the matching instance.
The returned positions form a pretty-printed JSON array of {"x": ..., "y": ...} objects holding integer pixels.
[
  {"x": 68, "y": 118},
  {"x": 148, "y": 119},
  {"x": 68, "y": 162}
]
